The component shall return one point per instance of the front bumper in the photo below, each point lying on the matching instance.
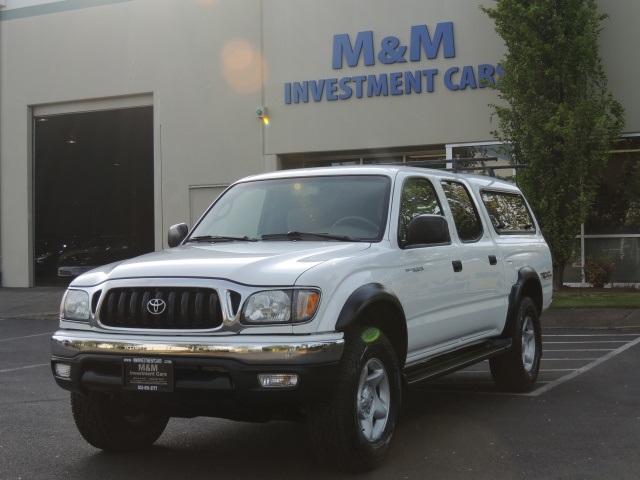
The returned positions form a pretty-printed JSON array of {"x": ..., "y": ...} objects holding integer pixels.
[
  {"x": 213, "y": 376},
  {"x": 256, "y": 349}
]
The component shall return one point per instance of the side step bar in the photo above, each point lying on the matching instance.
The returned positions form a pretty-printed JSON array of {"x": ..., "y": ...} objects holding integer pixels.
[{"x": 449, "y": 363}]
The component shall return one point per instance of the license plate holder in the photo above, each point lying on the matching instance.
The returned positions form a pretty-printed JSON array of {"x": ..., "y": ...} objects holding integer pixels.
[{"x": 148, "y": 374}]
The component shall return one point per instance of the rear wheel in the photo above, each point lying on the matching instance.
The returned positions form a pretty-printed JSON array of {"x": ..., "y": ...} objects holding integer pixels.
[
  {"x": 352, "y": 430},
  {"x": 105, "y": 423},
  {"x": 517, "y": 370}
]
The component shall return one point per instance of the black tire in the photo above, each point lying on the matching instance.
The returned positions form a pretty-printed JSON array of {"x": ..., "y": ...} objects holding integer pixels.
[
  {"x": 517, "y": 369},
  {"x": 353, "y": 428},
  {"x": 104, "y": 423}
]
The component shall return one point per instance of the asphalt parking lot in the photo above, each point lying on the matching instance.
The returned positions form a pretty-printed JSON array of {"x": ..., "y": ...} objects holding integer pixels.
[
  {"x": 566, "y": 354},
  {"x": 582, "y": 421}
]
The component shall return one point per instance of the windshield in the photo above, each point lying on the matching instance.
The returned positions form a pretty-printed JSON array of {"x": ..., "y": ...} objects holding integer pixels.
[{"x": 340, "y": 208}]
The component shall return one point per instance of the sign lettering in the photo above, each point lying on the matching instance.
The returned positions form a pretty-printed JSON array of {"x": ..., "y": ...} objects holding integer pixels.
[{"x": 424, "y": 45}]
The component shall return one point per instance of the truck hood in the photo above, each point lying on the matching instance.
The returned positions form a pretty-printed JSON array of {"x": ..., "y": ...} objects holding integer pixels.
[{"x": 249, "y": 263}]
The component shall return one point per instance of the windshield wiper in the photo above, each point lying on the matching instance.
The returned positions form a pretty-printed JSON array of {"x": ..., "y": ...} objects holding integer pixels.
[
  {"x": 307, "y": 235},
  {"x": 221, "y": 238}
]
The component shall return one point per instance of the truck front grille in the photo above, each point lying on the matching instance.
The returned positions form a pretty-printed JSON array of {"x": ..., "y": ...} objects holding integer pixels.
[{"x": 161, "y": 308}]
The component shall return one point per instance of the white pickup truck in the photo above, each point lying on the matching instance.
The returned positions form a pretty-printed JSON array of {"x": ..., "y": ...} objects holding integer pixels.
[{"x": 314, "y": 294}]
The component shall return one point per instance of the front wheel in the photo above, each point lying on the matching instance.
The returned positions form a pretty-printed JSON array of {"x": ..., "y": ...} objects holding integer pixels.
[
  {"x": 352, "y": 429},
  {"x": 517, "y": 369},
  {"x": 105, "y": 423}
]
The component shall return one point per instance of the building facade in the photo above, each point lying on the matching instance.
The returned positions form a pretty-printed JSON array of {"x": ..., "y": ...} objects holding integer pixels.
[{"x": 119, "y": 118}]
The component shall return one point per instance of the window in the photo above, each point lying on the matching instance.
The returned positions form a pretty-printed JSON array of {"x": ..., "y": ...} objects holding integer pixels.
[
  {"x": 353, "y": 206},
  {"x": 464, "y": 212},
  {"x": 363, "y": 157},
  {"x": 617, "y": 206},
  {"x": 93, "y": 178},
  {"x": 418, "y": 198},
  {"x": 508, "y": 212}
]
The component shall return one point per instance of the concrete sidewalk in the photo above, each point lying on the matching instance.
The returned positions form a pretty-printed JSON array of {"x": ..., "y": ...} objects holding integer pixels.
[{"x": 44, "y": 303}]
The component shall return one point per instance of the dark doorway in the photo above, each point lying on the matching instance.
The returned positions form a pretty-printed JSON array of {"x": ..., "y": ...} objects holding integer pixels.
[{"x": 93, "y": 203}]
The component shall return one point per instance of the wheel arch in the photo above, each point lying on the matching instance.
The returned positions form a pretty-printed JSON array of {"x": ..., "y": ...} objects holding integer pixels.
[
  {"x": 527, "y": 285},
  {"x": 376, "y": 306}
]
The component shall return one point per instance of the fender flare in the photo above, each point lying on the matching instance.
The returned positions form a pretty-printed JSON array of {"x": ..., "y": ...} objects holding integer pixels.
[
  {"x": 376, "y": 293},
  {"x": 362, "y": 298},
  {"x": 525, "y": 274}
]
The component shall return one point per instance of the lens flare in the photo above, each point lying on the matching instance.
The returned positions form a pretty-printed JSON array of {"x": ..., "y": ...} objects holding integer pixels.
[{"x": 242, "y": 66}]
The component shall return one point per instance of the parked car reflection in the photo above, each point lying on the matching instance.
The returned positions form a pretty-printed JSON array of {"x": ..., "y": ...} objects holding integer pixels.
[
  {"x": 47, "y": 254},
  {"x": 99, "y": 251}
]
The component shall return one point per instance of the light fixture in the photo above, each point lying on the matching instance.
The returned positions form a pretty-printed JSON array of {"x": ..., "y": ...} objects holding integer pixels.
[
  {"x": 261, "y": 112},
  {"x": 63, "y": 370}
]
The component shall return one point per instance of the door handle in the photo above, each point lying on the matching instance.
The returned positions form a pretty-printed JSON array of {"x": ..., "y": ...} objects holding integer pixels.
[
  {"x": 457, "y": 265},
  {"x": 493, "y": 260}
]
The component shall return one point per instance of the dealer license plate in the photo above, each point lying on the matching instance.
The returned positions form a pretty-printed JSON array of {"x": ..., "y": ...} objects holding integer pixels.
[{"x": 146, "y": 374}]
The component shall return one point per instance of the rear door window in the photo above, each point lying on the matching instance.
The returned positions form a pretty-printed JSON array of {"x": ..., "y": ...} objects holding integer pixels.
[
  {"x": 464, "y": 212},
  {"x": 508, "y": 213}
]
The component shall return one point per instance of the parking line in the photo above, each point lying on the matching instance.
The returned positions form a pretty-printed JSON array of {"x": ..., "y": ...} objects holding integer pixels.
[
  {"x": 593, "y": 335},
  {"x": 546, "y": 385},
  {"x": 584, "y": 369},
  {"x": 569, "y": 359},
  {"x": 24, "y": 368},
  {"x": 557, "y": 370},
  {"x": 584, "y": 350},
  {"x": 592, "y": 341},
  {"x": 27, "y": 336}
]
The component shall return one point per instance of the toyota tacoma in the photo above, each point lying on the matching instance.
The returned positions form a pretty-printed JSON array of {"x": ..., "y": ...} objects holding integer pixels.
[{"x": 315, "y": 295}]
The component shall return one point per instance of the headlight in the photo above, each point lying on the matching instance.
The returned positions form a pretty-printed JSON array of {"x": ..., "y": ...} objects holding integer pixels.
[
  {"x": 280, "y": 306},
  {"x": 75, "y": 305}
]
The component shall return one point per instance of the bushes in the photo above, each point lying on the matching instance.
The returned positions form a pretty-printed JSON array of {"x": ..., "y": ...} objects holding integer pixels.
[{"x": 598, "y": 271}]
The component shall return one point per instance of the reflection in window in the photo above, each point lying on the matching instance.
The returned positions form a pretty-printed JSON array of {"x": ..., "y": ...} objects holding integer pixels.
[
  {"x": 418, "y": 198},
  {"x": 482, "y": 151},
  {"x": 508, "y": 212},
  {"x": 464, "y": 212},
  {"x": 343, "y": 205},
  {"x": 617, "y": 207},
  {"x": 363, "y": 157}
]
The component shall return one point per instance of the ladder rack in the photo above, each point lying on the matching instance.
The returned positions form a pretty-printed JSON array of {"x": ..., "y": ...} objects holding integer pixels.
[{"x": 458, "y": 165}]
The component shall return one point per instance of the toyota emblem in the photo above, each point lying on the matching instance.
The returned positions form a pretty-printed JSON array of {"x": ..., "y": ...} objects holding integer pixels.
[{"x": 156, "y": 306}]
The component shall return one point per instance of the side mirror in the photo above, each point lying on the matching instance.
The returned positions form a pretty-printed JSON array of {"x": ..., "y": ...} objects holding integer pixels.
[
  {"x": 428, "y": 230},
  {"x": 177, "y": 233}
]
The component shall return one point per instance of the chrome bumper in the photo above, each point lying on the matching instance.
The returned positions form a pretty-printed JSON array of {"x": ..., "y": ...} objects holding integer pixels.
[{"x": 250, "y": 350}]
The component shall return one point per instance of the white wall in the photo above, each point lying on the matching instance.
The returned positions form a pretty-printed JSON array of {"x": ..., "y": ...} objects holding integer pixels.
[
  {"x": 205, "y": 65},
  {"x": 206, "y": 130},
  {"x": 11, "y": 4},
  {"x": 619, "y": 47},
  {"x": 298, "y": 39}
]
